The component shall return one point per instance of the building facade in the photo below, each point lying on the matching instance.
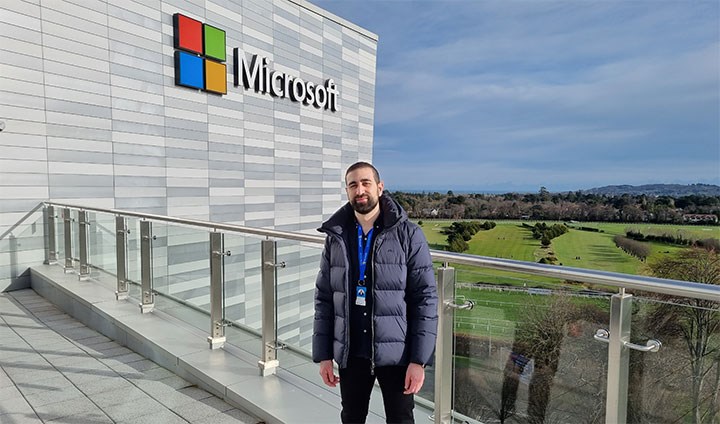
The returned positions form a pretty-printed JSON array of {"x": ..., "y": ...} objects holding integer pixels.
[{"x": 123, "y": 105}]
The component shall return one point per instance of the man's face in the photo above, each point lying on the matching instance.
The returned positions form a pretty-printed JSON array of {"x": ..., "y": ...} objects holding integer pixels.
[{"x": 362, "y": 190}]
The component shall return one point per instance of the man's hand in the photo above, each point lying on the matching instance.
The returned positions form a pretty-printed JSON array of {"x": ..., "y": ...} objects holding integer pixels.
[
  {"x": 328, "y": 373},
  {"x": 414, "y": 378}
]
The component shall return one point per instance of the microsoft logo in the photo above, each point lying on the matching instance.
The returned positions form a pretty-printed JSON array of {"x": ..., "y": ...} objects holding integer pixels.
[{"x": 200, "y": 55}]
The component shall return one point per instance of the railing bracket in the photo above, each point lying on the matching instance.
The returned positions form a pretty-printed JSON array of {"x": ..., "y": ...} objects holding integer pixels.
[{"x": 652, "y": 345}]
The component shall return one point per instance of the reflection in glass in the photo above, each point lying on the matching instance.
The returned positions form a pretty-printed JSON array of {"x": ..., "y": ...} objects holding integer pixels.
[
  {"x": 680, "y": 382},
  {"x": 22, "y": 245},
  {"x": 133, "y": 258},
  {"x": 101, "y": 242},
  {"x": 296, "y": 292},
  {"x": 75, "y": 237},
  {"x": 60, "y": 235},
  {"x": 181, "y": 273},
  {"x": 527, "y": 355},
  {"x": 243, "y": 289}
]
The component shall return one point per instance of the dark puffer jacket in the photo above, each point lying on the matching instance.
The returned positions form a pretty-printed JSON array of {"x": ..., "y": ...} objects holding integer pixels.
[{"x": 405, "y": 294}]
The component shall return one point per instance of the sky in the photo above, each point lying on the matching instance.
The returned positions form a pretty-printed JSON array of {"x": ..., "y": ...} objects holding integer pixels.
[{"x": 508, "y": 95}]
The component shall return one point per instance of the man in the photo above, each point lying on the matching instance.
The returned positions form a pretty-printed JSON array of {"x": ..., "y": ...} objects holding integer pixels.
[{"x": 375, "y": 301}]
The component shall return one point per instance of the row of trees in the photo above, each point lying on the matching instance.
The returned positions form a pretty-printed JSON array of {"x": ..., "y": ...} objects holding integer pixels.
[
  {"x": 633, "y": 247},
  {"x": 460, "y": 232},
  {"x": 545, "y": 233},
  {"x": 678, "y": 238},
  {"x": 557, "y": 206},
  {"x": 664, "y": 237}
]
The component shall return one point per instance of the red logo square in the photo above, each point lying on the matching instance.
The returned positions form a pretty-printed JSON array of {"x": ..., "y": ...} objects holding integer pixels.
[{"x": 188, "y": 34}]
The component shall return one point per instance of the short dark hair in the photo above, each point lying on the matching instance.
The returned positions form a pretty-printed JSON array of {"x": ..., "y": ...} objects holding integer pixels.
[{"x": 358, "y": 165}]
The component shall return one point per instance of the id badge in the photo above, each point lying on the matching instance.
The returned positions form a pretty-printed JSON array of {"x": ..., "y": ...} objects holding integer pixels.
[{"x": 360, "y": 293}]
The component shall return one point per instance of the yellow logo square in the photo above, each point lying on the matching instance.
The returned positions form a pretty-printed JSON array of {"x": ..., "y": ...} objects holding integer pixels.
[{"x": 215, "y": 77}]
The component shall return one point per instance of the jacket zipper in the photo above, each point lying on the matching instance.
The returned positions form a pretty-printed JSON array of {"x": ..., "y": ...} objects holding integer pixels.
[
  {"x": 372, "y": 312},
  {"x": 346, "y": 354}
]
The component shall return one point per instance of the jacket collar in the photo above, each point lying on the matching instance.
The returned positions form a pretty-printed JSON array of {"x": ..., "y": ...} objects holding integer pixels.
[{"x": 391, "y": 213}]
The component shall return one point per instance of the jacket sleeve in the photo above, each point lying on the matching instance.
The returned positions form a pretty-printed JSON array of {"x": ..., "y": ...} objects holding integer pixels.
[
  {"x": 421, "y": 299},
  {"x": 323, "y": 324}
]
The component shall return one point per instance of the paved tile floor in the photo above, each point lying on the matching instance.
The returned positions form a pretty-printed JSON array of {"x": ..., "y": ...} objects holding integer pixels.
[{"x": 53, "y": 369}]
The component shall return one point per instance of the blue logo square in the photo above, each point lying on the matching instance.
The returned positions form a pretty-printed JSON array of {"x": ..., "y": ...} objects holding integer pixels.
[{"x": 189, "y": 70}]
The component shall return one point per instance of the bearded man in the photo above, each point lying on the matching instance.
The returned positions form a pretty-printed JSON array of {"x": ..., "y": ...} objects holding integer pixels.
[{"x": 375, "y": 301}]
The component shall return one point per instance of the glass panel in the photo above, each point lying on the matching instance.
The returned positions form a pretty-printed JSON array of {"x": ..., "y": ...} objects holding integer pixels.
[
  {"x": 22, "y": 246},
  {"x": 296, "y": 292},
  {"x": 181, "y": 273},
  {"x": 101, "y": 242},
  {"x": 680, "y": 383},
  {"x": 525, "y": 353},
  {"x": 30, "y": 233},
  {"x": 160, "y": 257},
  {"x": 75, "y": 237},
  {"x": 133, "y": 255},
  {"x": 60, "y": 235},
  {"x": 243, "y": 291}
]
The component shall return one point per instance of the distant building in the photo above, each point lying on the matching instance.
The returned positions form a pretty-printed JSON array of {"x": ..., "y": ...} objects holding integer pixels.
[{"x": 700, "y": 218}]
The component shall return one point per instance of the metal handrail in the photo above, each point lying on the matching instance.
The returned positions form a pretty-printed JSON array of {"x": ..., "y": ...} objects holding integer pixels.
[
  {"x": 214, "y": 226},
  {"x": 633, "y": 282},
  {"x": 18, "y": 223}
]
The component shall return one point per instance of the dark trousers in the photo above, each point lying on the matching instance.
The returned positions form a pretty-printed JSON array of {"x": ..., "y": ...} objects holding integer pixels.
[{"x": 356, "y": 384}]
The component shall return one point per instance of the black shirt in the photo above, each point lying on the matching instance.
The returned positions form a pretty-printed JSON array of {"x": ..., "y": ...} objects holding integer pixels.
[{"x": 361, "y": 316}]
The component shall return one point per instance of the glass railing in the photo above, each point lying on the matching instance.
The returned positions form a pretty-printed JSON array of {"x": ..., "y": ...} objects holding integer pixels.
[
  {"x": 527, "y": 354},
  {"x": 556, "y": 345},
  {"x": 101, "y": 243},
  {"x": 518, "y": 342},
  {"x": 242, "y": 290},
  {"x": 132, "y": 247},
  {"x": 680, "y": 383},
  {"x": 296, "y": 293},
  {"x": 22, "y": 245}
]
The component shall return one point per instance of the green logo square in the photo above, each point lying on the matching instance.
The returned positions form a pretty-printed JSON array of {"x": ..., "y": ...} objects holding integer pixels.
[{"x": 214, "y": 42}]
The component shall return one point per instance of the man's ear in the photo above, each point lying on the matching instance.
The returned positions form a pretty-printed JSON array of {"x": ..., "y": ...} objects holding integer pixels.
[{"x": 381, "y": 187}]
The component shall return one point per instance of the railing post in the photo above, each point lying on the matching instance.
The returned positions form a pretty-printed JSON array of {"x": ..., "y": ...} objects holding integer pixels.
[
  {"x": 268, "y": 362},
  {"x": 51, "y": 248},
  {"x": 83, "y": 224},
  {"x": 67, "y": 228},
  {"x": 146, "y": 267},
  {"x": 217, "y": 319},
  {"x": 121, "y": 232},
  {"x": 618, "y": 358},
  {"x": 444, "y": 346}
]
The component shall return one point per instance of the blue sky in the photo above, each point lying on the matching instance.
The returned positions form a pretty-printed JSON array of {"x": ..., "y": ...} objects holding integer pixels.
[{"x": 515, "y": 95}]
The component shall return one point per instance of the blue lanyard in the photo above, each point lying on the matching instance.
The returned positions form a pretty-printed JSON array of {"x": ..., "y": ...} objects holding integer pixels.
[{"x": 363, "y": 252}]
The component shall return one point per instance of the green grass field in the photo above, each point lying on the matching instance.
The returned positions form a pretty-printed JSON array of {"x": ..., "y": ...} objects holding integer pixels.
[
  {"x": 577, "y": 248},
  {"x": 497, "y": 312}
]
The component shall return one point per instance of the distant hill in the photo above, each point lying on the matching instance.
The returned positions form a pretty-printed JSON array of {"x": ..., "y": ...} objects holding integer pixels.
[{"x": 674, "y": 190}]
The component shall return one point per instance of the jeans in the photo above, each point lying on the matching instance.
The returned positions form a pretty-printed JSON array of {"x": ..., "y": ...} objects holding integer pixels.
[{"x": 356, "y": 384}]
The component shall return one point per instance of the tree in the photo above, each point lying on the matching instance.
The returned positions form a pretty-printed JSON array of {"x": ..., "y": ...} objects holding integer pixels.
[
  {"x": 456, "y": 243},
  {"x": 697, "y": 322},
  {"x": 545, "y": 241}
]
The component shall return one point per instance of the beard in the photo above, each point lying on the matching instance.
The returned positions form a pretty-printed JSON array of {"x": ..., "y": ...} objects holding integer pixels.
[{"x": 364, "y": 208}]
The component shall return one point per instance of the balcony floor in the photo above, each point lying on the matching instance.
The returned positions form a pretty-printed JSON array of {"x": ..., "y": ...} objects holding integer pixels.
[{"x": 55, "y": 369}]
